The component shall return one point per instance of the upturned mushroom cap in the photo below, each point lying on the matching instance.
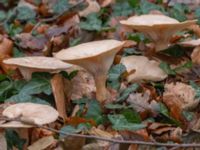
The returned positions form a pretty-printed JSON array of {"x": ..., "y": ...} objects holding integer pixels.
[
  {"x": 144, "y": 68},
  {"x": 34, "y": 113},
  {"x": 28, "y": 65},
  {"x": 158, "y": 28},
  {"x": 96, "y": 57},
  {"x": 191, "y": 43}
]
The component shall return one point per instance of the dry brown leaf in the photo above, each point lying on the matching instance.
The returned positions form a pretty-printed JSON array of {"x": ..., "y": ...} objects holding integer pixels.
[
  {"x": 145, "y": 69},
  {"x": 6, "y": 46},
  {"x": 42, "y": 143},
  {"x": 105, "y": 3},
  {"x": 72, "y": 143},
  {"x": 93, "y": 7},
  {"x": 195, "y": 56},
  {"x": 83, "y": 85},
  {"x": 183, "y": 93}
]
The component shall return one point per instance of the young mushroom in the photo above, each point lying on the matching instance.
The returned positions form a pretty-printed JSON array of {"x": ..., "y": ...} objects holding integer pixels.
[
  {"x": 158, "y": 28},
  {"x": 96, "y": 57},
  {"x": 144, "y": 69},
  {"x": 23, "y": 116},
  {"x": 29, "y": 65}
]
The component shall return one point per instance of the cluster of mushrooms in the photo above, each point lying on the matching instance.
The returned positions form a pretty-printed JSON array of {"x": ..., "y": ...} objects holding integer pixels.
[{"x": 97, "y": 57}]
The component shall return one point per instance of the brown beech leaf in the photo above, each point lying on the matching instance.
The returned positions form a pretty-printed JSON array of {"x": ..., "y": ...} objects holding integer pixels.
[
  {"x": 6, "y": 46},
  {"x": 27, "y": 41},
  {"x": 150, "y": 69},
  {"x": 93, "y": 7},
  {"x": 105, "y": 3},
  {"x": 183, "y": 93},
  {"x": 83, "y": 85},
  {"x": 42, "y": 143}
]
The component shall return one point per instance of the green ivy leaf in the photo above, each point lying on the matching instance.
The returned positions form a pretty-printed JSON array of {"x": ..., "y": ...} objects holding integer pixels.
[
  {"x": 119, "y": 122},
  {"x": 13, "y": 140},
  {"x": 197, "y": 14},
  {"x": 25, "y": 13},
  {"x": 179, "y": 11},
  {"x": 124, "y": 94},
  {"x": 114, "y": 76},
  {"x": 92, "y": 23},
  {"x": 175, "y": 51},
  {"x": 131, "y": 116},
  {"x": 122, "y": 8},
  {"x": 60, "y": 6},
  {"x": 2, "y": 16},
  {"x": 197, "y": 89},
  {"x": 167, "y": 69},
  {"x": 115, "y": 106}
]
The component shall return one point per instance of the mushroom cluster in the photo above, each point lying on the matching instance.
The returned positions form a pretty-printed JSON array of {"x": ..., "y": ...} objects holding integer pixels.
[{"x": 158, "y": 28}]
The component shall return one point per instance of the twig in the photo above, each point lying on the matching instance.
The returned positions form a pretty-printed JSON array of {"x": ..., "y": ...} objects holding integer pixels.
[{"x": 107, "y": 139}]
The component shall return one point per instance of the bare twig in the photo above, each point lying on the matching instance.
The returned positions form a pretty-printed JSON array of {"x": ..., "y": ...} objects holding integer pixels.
[{"x": 106, "y": 139}]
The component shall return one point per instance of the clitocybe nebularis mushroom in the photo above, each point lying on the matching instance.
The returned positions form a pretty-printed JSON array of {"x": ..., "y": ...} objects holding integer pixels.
[
  {"x": 96, "y": 57},
  {"x": 28, "y": 115},
  {"x": 144, "y": 68},
  {"x": 158, "y": 28},
  {"x": 28, "y": 65}
]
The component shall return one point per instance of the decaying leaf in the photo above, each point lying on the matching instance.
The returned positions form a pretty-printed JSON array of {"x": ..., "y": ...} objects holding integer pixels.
[
  {"x": 93, "y": 7},
  {"x": 183, "y": 93},
  {"x": 42, "y": 143},
  {"x": 195, "y": 56},
  {"x": 150, "y": 69}
]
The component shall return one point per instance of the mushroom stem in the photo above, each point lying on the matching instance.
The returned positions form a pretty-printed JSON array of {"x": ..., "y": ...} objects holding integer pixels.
[
  {"x": 26, "y": 73},
  {"x": 101, "y": 91},
  {"x": 59, "y": 95},
  {"x": 161, "y": 45}
]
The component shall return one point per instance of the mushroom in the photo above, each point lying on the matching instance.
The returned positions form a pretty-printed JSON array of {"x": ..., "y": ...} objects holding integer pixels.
[
  {"x": 96, "y": 57},
  {"x": 158, "y": 28},
  {"x": 195, "y": 56},
  {"x": 27, "y": 115},
  {"x": 28, "y": 65},
  {"x": 144, "y": 68}
]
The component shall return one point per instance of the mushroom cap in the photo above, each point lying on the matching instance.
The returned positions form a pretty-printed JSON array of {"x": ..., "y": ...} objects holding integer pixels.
[
  {"x": 145, "y": 69},
  {"x": 38, "y": 62},
  {"x": 191, "y": 43},
  {"x": 34, "y": 113},
  {"x": 150, "y": 20},
  {"x": 88, "y": 50}
]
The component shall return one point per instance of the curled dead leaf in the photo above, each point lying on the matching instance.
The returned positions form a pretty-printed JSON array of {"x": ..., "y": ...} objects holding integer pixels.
[{"x": 150, "y": 69}]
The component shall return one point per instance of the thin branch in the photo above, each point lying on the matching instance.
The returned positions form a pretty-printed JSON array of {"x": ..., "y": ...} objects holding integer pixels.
[{"x": 105, "y": 139}]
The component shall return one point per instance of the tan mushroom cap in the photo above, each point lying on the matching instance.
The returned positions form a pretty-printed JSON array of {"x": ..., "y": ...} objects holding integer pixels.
[
  {"x": 191, "y": 43},
  {"x": 35, "y": 113},
  {"x": 150, "y": 20},
  {"x": 38, "y": 62},
  {"x": 88, "y": 50},
  {"x": 145, "y": 69}
]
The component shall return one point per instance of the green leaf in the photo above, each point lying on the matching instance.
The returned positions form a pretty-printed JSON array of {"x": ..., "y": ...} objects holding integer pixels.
[
  {"x": 3, "y": 77},
  {"x": 25, "y": 13},
  {"x": 60, "y": 6},
  {"x": 137, "y": 37},
  {"x": 175, "y": 51},
  {"x": 186, "y": 65},
  {"x": 119, "y": 122},
  {"x": 130, "y": 51},
  {"x": 166, "y": 68},
  {"x": 133, "y": 3},
  {"x": 13, "y": 140},
  {"x": 114, "y": 76},
  {"x": 5, "y": 86},
  {"x": 2, "y": 16},
  {"x": 131, "y": 116},
  {"x": 94, "y": 111},
  {"x": 122, "y": 9},
  {"x": 40, "y": 83},
  {"x": 124, "y": 94},
  {"x": 92, "y": 23},
  {"x": 188, "y": 115},
  {"x": 197, "y": 89},
  {"x": 17, "y": 52},
  {"x": 69, "y": 76},
  {"x": 197, "y": 14},
  {"x": 115, "y": 106},
  {"x": 179, "y": 11}
]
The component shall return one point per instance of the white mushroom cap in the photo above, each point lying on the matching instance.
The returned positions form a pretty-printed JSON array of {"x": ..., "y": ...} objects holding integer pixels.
[
  {"x": 158, "y": 28},
  {"x": 145, "y": 69},
  {"x": 38, "y": 62},
  {"x": 88, "y": 50},
  {"x": 35, "y": 113},
  {"x": 191, "y": 43},
  {"x": 28, "y": 65}
]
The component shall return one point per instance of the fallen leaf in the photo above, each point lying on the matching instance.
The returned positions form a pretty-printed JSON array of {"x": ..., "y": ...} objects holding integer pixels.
[
  {"x": 150, "y": 69},
  {"x": 195, "y": 56},
  {"x": 6, "y": 46},
  {"x": 42, "y": 143},
  {"x": 105, "y": 3},
  {"x": 93, "y": 7},
  {"x": 183, "y": 93}
]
